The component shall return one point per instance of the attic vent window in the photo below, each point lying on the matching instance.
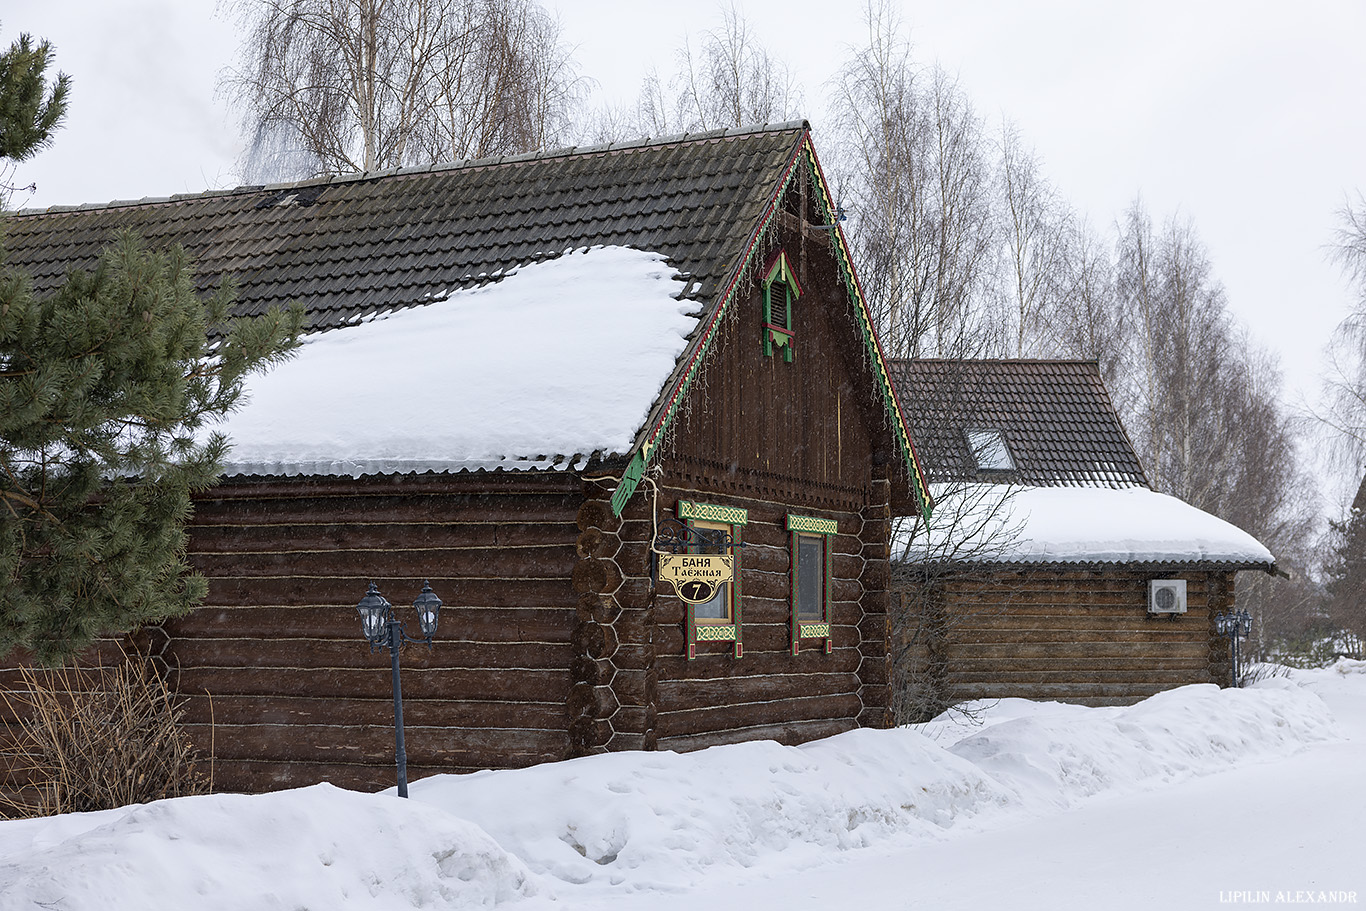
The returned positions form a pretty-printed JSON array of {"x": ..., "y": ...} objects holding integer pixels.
[
  {"x": 990, "y": 451},
  {"x": 781, "y": 290}
]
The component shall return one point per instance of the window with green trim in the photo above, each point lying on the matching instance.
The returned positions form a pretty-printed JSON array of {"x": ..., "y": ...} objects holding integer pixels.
[
  {"x": 780, "y": 291},
  {"x": 719, "y": 609},
  {"x": 717, "y": 619},
  {"x": 812, "y": 579}
]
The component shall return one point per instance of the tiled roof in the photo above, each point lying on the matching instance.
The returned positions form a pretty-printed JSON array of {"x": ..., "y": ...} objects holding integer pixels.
[
  {"x": 1056, "y": 417},
  {"x": 354, "y": 246},
  {"x": 349, "y": 246}
]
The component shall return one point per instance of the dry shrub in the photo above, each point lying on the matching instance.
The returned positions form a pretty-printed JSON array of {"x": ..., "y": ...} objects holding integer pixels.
[{"x": 95, "y": 738}]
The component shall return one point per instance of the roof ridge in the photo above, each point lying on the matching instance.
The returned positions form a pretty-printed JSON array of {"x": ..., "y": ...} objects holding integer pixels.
[{"x": 493, "y": 161}]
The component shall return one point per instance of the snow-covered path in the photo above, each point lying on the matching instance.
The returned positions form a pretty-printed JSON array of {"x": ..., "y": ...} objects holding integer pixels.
[{"x": 1286, "y": 831}]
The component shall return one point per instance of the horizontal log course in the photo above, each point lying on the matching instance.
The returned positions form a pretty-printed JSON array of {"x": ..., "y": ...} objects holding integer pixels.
[
  {"x": 592, "y": 639},
  {"x": 261, "y": 777},
  {"x": 787, "y": 733},
  {"x": 591, "y": 702},
  {"x": 678, "y": 723},
  {"x": 424, "y": 484},
  {"x": 1140, "y": 632},
  {"x": 257, "y": 777},
  {"x": 848, "y": 567},
  {"x": 1079, "y": 692},
  {"x": 877, "y": 717},
  {"x": 489, "y": 508},
  {"x": 1066, "y": 651},
  {"x": 633, "y": 687},
  {"x": 593, "y": 575},
  {"x": 1073, "y": 664},
  {"x": 248, "y": 539},
  {"x": 759, "y": 638},
  {"x": 508, "y": 624},
  {"x": 288, "y": 591},
  {"x": 873, "y": 674},
  {"x": 374, "y": 744},
  {"x": 511, "y": 685},
  {"x": 1162, "y": 679},
  {"x": 588, "y": 735},
  {"x": 632, "y": 720},
  {"x": 535, "y": 561},
  {"x": 1012, "y": 628},
  {"x": 594, "y": 542},
  {"x": 104, "y": 652},
  {"x": 634, "y": 560},
  {"x": 592, "y": 671},
  {"x": 630, "y": 740},
  {"x": 876, "y": 576},
  {"x": 758, "y": 558},
  {"x": 354, "y": 652},
  {"x": 633, "y": 656},
  {"x": 677, "y": 694},
  {"x": 635, "y": 593},
  {"x": 636, "y": 626},
  {"x": 341, "y": 711},
  {"x": 595, "y": 513},
  {"x": 1035, "y": 591},
  {"x": 1057, "y": 602}
]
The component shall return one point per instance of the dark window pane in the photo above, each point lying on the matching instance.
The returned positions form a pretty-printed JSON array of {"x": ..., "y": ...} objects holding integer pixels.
[
  {"x": 810, "y": 578},
  {"x": 718, "y": 608}
]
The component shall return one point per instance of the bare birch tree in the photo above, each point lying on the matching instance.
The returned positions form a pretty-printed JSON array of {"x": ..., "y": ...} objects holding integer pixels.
[
  {"x": 913, "y": 166},
  {"x": 360, "y": 85},
  {"x": 1202, "y": 405},
  {"x": 1344, "y": 399},
  {"x": 1037, "y": 230},
  {"x": 730, "y": 80}
]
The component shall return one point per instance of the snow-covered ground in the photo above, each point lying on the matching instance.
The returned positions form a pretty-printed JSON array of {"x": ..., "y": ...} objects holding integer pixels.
[{"x": 1196, "y": 798}]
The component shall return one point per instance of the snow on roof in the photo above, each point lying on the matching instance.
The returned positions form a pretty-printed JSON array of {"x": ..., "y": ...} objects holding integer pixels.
[
  {"x": 557, "y": 361},
  {"x": 992, "y": 523}
]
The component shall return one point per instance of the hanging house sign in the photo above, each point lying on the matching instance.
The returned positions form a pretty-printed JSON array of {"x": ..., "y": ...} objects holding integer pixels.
[{"x": 696, "y": 577}]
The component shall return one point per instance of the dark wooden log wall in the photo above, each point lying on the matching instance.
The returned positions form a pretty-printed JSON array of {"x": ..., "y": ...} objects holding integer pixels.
[
  {"x": 1081, "y": 636},
  {"x": 280, "y": 682}
]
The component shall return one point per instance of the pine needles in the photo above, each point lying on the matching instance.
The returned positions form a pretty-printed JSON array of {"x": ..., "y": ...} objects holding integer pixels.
[{"x": 97, "y": 738}]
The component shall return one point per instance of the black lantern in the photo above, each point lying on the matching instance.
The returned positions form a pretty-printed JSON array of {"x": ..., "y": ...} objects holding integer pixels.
[
  {"x": 375, "y": 613},
  {"x": 383, "y": 630},
  {"x": 1236, "y": 625},
  {"x": 427, "y": 605}
]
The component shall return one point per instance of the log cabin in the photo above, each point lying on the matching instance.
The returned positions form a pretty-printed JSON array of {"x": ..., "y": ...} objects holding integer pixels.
[
  {"x": 1051, "y": 569},
  {"x": 532, "y": 382}
]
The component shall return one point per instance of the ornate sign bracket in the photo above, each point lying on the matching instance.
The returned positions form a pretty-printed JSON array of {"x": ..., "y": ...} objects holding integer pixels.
[{"x": 675, "y": 537}]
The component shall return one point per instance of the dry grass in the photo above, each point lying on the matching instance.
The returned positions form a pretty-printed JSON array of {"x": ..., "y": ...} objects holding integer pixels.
[{"x": 94, "y": 738}]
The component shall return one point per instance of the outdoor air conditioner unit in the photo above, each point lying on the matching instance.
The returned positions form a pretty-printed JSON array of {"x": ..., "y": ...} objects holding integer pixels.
[{"x": 1167, "y": 596}]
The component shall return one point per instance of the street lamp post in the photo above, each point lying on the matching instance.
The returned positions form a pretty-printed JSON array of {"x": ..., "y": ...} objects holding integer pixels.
[
  {"x": 384, "y": 630},
  {"x": 1236, "y": 625}
]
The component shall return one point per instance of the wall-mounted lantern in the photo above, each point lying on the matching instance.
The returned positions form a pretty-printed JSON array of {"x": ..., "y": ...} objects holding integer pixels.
[{"x": 1236, "y": 625}]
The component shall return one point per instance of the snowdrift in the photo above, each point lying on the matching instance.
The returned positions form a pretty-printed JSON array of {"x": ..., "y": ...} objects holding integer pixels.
[{"x": 645, "y": 821}]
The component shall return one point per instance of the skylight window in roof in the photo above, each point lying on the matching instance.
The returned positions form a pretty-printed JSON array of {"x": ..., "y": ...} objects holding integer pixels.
[{"x": 989, "y": 449}]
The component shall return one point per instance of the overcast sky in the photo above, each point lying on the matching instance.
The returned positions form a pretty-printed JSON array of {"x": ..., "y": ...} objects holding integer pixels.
[{"x": 1245, "y": 116}]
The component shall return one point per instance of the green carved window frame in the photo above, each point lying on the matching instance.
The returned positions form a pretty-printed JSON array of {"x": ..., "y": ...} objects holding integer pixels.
[
  {"x": 780, "y": 291},
  {"x": 729, "y": 520},
  {"x": 812, "y": 579}
]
